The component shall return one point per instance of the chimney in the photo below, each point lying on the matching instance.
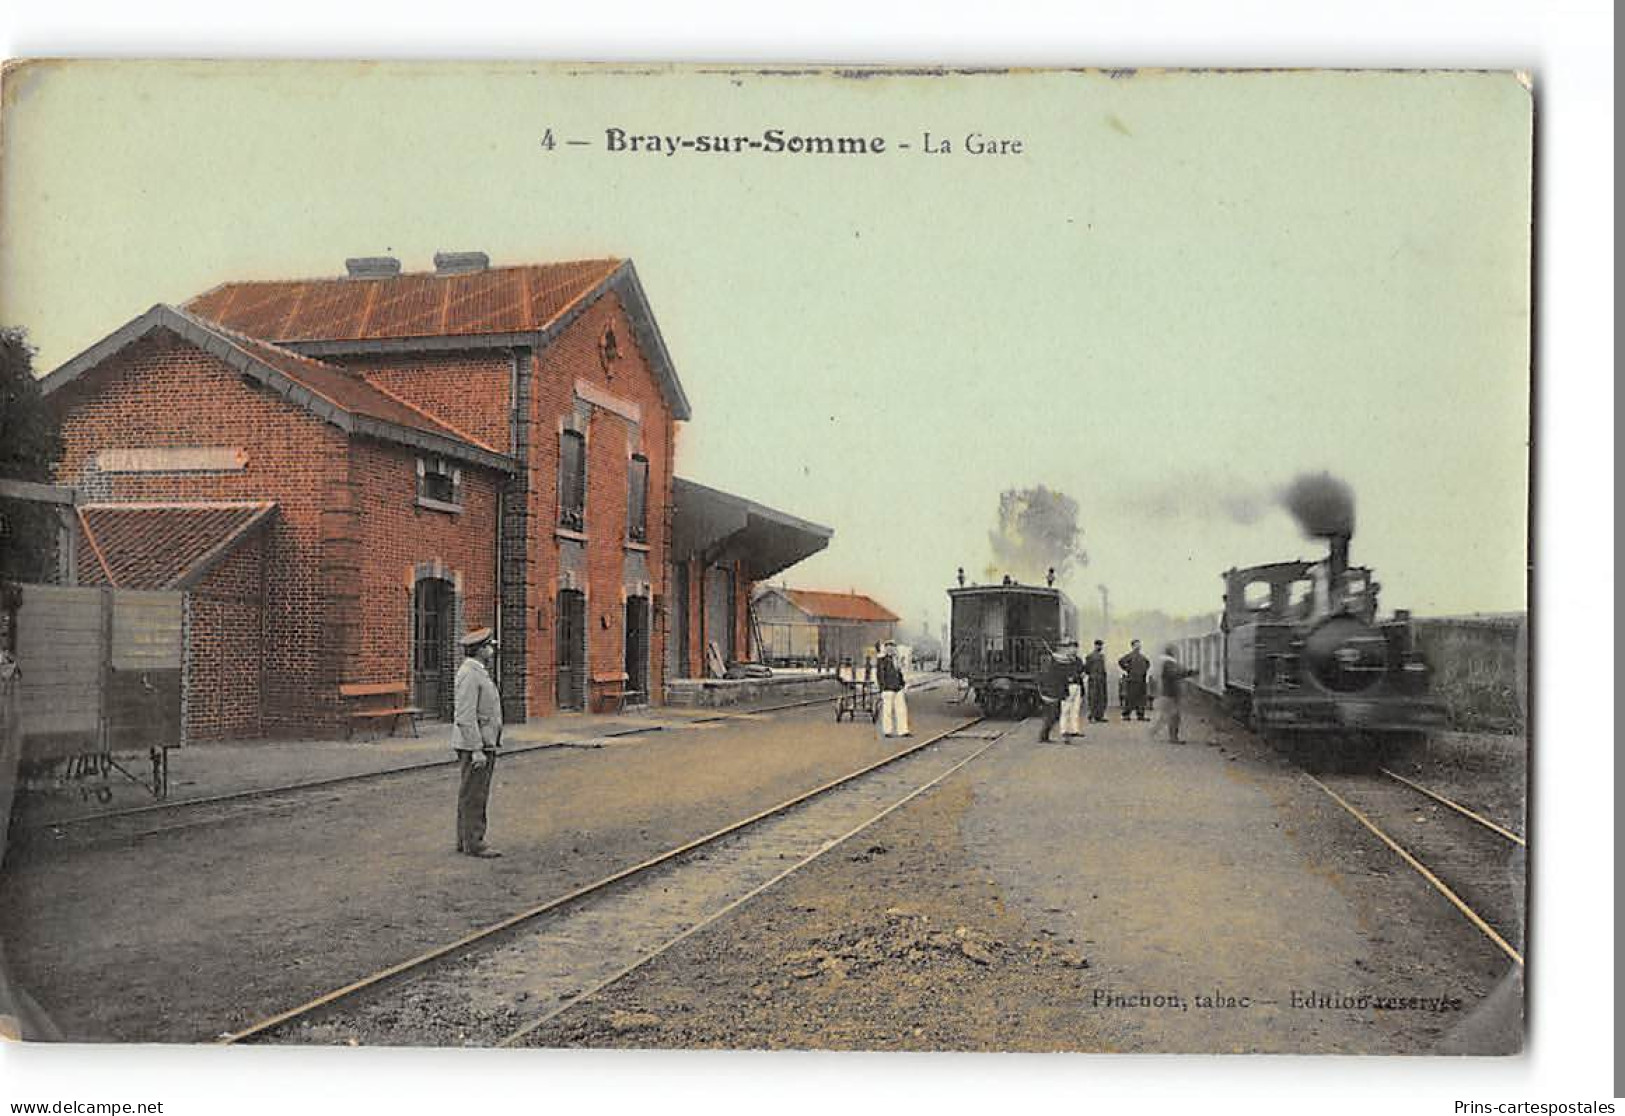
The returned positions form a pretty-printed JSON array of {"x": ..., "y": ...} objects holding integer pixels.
[
  {"x": 372, "y": 267},
  {"x": 1338, "y": 559},
  {"x": 460, "y": 263}
]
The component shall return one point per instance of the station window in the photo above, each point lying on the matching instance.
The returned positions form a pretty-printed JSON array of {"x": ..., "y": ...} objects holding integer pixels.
[
  {"x": 440, "y": 484},
  {"x": 573, "y": 481},
  {"x": 637, "y": 499}
]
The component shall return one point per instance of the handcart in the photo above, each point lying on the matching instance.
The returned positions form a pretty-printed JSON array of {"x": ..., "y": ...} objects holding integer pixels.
[{"x": 858, "y": 695}]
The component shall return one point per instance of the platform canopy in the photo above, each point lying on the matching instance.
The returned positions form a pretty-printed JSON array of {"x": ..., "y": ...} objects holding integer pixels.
[{"x": 709, "y": 526}]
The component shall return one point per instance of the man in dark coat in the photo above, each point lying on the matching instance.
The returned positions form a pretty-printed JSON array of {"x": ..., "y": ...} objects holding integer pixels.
[
  {"x": 1170, "y": 682},
  {"x": 1094, "y": 669},
  {"x": 893, "y": 705},
  {"x": 1135, "y": 666}
]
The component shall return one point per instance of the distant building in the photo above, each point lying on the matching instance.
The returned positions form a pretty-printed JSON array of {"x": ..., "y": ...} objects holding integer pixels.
[{"x": 804, "y": 625}]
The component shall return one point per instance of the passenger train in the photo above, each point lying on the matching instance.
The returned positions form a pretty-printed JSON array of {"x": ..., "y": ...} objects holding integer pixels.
[{"x": 1000, "y": 638}]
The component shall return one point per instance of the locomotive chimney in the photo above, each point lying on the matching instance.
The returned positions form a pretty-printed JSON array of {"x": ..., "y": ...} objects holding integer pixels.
[{"x": 1337, "y": 563}]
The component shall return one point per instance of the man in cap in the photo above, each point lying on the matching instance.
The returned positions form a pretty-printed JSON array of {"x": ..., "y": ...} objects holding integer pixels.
[
  {"x": 477, "y": 735},
  {"x": 1135, "y": 666},
  {"x": 1094, "y": 666},
  {"x": 893, "y": 705}
]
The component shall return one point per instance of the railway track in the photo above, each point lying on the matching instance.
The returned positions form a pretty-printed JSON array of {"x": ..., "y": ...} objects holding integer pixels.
[
  {"x": 1474, "y": 863},
  {"x": 497, "y": 985},
  {"x": 160, "y": 819}
]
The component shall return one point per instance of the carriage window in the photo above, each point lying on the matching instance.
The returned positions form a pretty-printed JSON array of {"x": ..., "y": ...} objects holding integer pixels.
[
  {"x": 1256, "y": 595},
  {"x": 1303, "y": 592}
]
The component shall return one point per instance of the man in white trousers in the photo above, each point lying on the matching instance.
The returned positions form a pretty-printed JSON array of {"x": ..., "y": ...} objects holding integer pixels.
[
  {"x": 893, "y": 705},
  {"x": 1072, "y": 702}
]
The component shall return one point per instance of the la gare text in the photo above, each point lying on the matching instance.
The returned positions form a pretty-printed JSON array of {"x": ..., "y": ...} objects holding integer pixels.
[{"x": 777, "y": 141}]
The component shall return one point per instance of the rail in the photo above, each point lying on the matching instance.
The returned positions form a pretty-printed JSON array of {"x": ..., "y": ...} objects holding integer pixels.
[{"x": 490, "y": 934}]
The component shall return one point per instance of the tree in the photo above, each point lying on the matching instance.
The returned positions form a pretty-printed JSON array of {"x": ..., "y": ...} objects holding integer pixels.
[
  {"x": 1037, "y": 531},
  {"x": 30, "y": 446}
]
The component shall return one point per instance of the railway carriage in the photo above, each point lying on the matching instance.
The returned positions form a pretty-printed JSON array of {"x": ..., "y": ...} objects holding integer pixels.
[
  {"x": 1301, "y": 655},
  {"x": 1000, "y": 638}
]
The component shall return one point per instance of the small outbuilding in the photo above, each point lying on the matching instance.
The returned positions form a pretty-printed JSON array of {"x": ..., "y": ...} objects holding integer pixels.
[{"x": 805, "y": 626}]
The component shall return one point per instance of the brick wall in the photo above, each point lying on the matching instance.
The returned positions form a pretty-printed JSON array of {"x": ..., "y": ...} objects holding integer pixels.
[
  {"x": 226, "y": 646},
  {"x": 163, "y": 391},
  {"x": 470, "y": 390},
  {"x": 398, "y": 540},
  {"x": 604, "y": 567}
]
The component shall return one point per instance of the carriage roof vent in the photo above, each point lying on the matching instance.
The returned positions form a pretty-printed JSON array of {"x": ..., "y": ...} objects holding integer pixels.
[
  {"x": 372, "y": 267},
  {"x": 460, "y": 263}
]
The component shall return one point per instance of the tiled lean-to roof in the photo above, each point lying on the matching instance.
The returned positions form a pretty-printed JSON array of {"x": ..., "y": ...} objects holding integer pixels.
[{"x": 162, "y": 545}]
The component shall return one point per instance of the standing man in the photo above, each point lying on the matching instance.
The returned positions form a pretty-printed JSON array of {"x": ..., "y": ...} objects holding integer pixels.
[
  {"x": 1170, "y": 682},
  {"x": 1060, "y": 670},
  {"x": 1072, "y": 703},
  {"x": 1094, "y": 666},
  {"x": 477, "y": 735},
  {"x": 1135, "y": 666},
  {"x": 893, "y": 705}
]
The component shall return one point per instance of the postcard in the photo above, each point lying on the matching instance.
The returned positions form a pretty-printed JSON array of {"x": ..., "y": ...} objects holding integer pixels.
[{"x": 766, "y": 558}]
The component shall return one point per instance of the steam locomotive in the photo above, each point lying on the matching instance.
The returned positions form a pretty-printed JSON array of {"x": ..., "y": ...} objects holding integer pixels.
[
  {"x": 1001, "y": 637},
  {"x": 1301, "y": 657}
]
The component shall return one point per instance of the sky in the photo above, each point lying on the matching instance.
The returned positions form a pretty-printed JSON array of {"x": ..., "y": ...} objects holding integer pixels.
[{"x": 1185, "y": 289}]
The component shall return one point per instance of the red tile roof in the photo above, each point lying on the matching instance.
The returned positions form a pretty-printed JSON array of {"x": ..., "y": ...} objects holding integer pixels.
[
  {"x": 417, "y": 304},
  {"x": 346, "y": 399},
  {"x": 349, "y": 391},
  {"x": 840, "y": 606},
  {"x": 161, "y": 546}
]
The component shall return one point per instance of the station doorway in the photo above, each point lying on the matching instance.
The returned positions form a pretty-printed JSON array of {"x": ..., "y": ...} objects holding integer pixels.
[
  {"x": 433, "y": 666},
  {"x": 571, "y": 690}
]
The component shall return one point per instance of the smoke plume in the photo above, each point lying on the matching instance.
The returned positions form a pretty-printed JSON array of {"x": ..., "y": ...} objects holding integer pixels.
[
  {"x": 1037, "y": 531},
  {"x": 1202, "y": 497},
  {"x": 1322, "y": 504}
]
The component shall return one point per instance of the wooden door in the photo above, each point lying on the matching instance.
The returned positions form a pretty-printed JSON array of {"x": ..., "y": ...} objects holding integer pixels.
[{"x": 572, "y": 650}]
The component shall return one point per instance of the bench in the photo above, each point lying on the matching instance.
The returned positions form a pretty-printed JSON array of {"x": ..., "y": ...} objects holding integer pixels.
[
  {"x": 613, "y": 695},
  {"x": 377, "y": 701}
]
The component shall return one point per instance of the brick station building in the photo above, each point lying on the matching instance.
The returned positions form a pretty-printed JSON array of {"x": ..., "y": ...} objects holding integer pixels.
[{"x": 346, "y": 473}]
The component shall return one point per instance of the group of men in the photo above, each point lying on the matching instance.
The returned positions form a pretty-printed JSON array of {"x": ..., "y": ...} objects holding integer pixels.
[{"x": 1067, "y": 682}]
